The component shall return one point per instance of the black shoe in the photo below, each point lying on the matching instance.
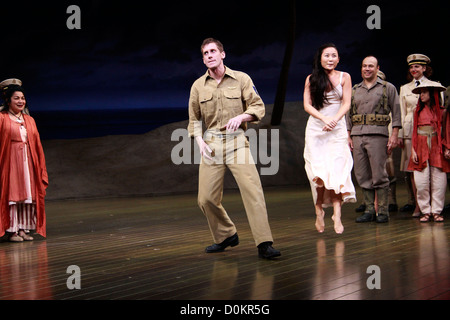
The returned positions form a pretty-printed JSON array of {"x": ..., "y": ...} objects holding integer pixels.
[
  {"x": 407, "y": 208},
  {"x": 382, "y": 218},
  {"x": 446, "y": 208},
  {"x": 366, "y": 217},
  {"x": 393, "y": 208},
  {"x": 231, "y": 241},
  {"x": 361, "y": 208},
  {"x": 266, "y": 251}
]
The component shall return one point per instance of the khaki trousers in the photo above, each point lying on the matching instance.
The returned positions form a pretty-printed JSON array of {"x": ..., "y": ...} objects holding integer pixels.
[
  {"x": 369, "y": 161},
  {"x": 431, "y": 184},
  {"x": 232, "y": 152}
]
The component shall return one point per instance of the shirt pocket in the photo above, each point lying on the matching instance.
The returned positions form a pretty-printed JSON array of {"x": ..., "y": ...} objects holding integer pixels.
[
  {"x": 233, "y": 102},
  {"x": 206, "y": 105}
]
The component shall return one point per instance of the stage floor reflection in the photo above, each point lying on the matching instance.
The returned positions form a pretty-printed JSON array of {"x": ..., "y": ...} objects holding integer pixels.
[{"x": 153, "y": 248}]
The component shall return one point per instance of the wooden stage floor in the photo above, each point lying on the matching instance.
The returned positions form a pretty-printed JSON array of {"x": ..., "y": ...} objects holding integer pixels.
[{"x": 152, "y": 248}]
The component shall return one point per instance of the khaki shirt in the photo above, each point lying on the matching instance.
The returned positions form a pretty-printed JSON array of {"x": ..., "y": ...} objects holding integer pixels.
[
  {"x": 408, "y": 103},
  {"x": 367, "y": 101},
  {"x": 215, "y": 104}
]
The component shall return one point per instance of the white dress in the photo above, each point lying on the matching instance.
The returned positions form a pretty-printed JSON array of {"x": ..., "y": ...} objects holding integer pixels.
[{"x": 328, "y": 160}]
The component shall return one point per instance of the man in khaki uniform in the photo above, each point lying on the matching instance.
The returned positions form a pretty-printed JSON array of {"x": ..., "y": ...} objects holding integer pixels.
[
  {"x": 225, "y": 100},
  {"x": 372, "y": 101}
]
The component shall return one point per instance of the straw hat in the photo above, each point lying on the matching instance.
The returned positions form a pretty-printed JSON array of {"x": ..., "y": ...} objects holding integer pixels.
[
  {"x": 429, "y": 84},
  {"x": 8, "y": 82}
]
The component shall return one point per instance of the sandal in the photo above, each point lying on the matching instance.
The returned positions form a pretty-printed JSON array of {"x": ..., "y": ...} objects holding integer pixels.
[
  {"x": 26, "y": 237},
  {"x": 15, "y": 238},
  {"x": 425, "y": 217},
  {"x": 438, "y": 218}
]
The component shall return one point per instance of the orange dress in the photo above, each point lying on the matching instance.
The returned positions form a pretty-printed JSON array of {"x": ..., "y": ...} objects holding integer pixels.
[
  {"x": 16, "y": 157},
  {"x": 22, "y": 183}
]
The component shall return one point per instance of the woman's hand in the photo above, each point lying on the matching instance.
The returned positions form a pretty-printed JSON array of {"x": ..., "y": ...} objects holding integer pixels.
[
  {"x": 414, "y": 156},
  {"x": 330, "y": 123},
  {"x": 447, "y": 154}
]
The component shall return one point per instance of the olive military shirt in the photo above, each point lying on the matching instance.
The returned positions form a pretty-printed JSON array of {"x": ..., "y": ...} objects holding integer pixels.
[
  {"x": 367, "y": 101},
  {"x": 216, "y": 103}
]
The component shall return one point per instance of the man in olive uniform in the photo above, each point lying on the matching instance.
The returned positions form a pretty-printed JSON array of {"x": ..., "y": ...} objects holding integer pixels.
[
  {"x": 225, "y": 100},
  {"x": 367, "y": 122}
]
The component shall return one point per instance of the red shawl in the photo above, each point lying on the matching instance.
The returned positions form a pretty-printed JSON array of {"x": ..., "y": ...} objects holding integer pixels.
[{"x": 40, "y": 170}]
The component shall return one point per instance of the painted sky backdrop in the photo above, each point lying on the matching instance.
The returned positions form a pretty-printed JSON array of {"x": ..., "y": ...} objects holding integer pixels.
[{"x": 135, "y": 54}]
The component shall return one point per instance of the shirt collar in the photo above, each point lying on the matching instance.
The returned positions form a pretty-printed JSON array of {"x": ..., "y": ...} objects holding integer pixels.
[
  {"x": 421, "y": 79},
  {"x": 228, "y": 72},
  {"x": 379, "y": 81}
]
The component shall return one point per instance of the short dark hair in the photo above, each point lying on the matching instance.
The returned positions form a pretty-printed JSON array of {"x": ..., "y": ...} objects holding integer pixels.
[
  {"x": 8, "y": 92},
  {"x": 212, "y": 40}
]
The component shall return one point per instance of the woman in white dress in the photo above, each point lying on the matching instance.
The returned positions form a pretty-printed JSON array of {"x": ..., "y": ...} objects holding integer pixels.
[{"x": 328, "y": 159}]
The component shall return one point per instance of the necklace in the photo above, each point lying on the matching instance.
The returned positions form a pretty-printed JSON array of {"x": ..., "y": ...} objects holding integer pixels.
[{"x": 18, "y": 118}]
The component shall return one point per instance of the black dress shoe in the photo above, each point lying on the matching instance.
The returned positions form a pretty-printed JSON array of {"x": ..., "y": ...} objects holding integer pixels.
[
  {"x": 393, "y": 208},
  {"x": 266, "y": 251},
  {"x": 361, "y": 208},
  {"x": 407, "y": 208},
  {"x": 366, "y": 217},
  {"x": 382, "y": 218},
  {"x": 231, "y": 241}
]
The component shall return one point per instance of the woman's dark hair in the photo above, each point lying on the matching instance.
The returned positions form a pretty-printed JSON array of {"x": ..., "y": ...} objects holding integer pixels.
[
  {"x": 319, "y": 81},
  {"x": 432, "y": 100},
  {"x": 8, "y": 92}
]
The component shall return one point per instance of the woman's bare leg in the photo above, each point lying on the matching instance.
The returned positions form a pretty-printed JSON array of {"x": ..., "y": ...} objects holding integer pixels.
[
  {"x": 320, "y": 214},
  {"x": 337, "y": 204}
]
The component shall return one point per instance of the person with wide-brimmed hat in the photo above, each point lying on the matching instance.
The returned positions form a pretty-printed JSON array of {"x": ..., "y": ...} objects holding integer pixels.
[
  {"x": 5, "y": 85},
  {"x": 23, "y": 172},
  {"x": 419, "y": 70},
  {"x": 427, "y": 157}
]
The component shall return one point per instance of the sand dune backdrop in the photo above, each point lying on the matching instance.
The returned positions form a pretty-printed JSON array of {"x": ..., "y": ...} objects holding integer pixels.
[{"x": 136, "y": 165}]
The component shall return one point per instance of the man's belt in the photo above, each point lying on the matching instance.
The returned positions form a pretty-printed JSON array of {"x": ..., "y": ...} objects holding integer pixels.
[{"x": 371, "y": 119}]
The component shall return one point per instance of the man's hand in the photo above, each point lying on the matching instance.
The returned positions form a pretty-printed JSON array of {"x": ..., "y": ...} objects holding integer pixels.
[
  {"x": 205, "y": 150},
  {"x": 393, "y": 141},
  {"x": 234, "y": 123},
  {"x": 350, "y": 141}
]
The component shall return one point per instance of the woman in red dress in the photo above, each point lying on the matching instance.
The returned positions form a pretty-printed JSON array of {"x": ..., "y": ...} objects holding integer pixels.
[
  {"x": 427, "y": 156},
  {"x": 24, "y": 178}
]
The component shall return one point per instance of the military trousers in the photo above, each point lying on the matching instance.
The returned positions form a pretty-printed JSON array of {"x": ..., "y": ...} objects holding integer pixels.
[
  {"x": 369, "y": 157},
  {"x": 232, "y": 152}
]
